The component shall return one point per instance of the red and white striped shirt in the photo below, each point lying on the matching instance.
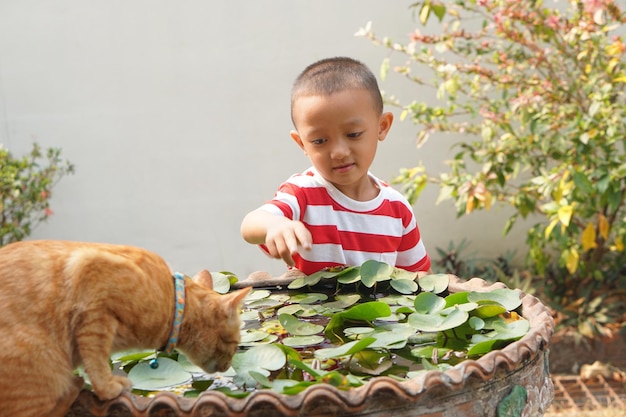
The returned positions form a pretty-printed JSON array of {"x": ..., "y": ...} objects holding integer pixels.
[{"x": 346, "y": 231}]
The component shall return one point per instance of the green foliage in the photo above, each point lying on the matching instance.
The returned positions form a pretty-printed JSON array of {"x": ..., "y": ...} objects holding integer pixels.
[
  {"x": 25, "y": 185},
  {"x": 538, "y": 94},
  {"x": 294, "y": 340}
]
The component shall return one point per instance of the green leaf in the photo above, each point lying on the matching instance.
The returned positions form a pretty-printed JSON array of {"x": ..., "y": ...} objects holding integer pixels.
[
  {"x": 509, "y": 299},
  {"x": 436, "y": 283},
  {"x": 404, "y": 286},
  {"x": 429, "y": 303},
  {"x": 489, "y": 310},
  {"x": 343, "y": 301},
  {"x": 347, "y": 349},
  {"x": 436, "y": 322},
  {"x": 349, "y": 276},
  {"x": 169, "y": 373},
  {"x": 221, "y": 282},
  {"x": 308, "y": 298},
  {"x": 299, "y": 327},
  {"x": 302, "y": 341},
  {"x": 370, "y": 362},
  {"x": 457, "y": 298},
  {"x": 367, "y": 311},
  {"x": 373, "y": 271}
]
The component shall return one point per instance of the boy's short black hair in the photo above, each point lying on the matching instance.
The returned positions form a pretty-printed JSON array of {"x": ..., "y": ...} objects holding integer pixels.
[{"x": 331, "y": 75}]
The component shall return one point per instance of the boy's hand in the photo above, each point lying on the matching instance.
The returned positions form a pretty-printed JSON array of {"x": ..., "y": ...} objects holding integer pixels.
[{"x": 284, "y": 237}]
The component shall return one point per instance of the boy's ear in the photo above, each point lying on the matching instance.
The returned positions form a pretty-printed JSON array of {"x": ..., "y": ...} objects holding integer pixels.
[
  {"x": 384, "y": 124},
  {"x": 296, "y": 138}
]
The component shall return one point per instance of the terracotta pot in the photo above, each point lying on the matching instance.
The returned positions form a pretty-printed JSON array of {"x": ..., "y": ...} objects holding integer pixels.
[{"x": 520, "y": 371}]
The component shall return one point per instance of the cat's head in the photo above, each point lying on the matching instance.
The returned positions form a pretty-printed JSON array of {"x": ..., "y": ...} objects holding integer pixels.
[{"x": 211, "y": 338}]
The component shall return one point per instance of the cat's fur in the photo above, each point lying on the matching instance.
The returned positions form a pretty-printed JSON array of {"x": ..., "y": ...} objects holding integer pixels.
[{"x": 65, "y": 303}]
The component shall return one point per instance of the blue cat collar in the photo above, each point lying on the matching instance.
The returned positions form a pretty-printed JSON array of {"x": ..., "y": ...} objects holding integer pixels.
[{"x": 179, "y": 297}]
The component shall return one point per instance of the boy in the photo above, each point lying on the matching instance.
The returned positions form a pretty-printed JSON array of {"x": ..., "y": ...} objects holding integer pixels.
[{"x": 337, "y": 212}]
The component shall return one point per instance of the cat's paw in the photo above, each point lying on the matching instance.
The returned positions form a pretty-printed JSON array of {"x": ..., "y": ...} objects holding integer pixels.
[{"x": 113, "y": 387}]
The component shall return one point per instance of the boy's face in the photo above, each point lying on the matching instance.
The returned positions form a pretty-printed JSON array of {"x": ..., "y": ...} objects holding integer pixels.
[{"x": 339, "y": 133}]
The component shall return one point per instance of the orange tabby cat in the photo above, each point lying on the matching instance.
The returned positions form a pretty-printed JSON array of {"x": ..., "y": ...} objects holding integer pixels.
[{"x": 66, "y": 303}]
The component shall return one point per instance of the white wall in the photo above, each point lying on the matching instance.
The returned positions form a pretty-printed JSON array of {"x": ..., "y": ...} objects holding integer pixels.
[{"x": 176, "y": 115}]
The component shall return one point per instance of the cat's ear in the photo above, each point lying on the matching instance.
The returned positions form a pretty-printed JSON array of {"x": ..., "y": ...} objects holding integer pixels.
[
  {"x": 204, "y": 278},
  {"x": 233, "y": 300}
]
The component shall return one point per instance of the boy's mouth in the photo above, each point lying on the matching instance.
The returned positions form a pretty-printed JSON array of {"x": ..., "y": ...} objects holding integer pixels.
[{"x": 343, "y": 168}]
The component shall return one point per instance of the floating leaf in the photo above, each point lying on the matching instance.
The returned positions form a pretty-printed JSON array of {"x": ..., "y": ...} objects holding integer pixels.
[
  {"x": 298, "y": 327},
  {"x": 477, "y": 323},
  {"x": 308, "y": 298},
  {"x": 221, "y": 282},
  {"x": 428, "y": 303},
  {"x": 250, "y": 315},
  {"x": 509, "y": 299},
  {"x": 169, "y": 373},
  {"x": 349, "y": 276},
  {"x": 343, "y": 301},
  {"x": 370, "y": 362},
  {"x": 502, "y": 334},
  {"x": 428, "y": 352},
  {"x": 347, "y": 349},
  {"x": 256, "y": 295},
  {"x": 131, "y": 355},
  {"x": 367, "y": 311},
  {"x": 437, "y": 322},
  {"x": 404, "y": 286},
  {"x": 297, "y": 283},
  {"x": 290, "y": 309},
  {"x": 457, "y": 298},
  {"x": 436, "y": 283},
  {"x": 399, "y": 273},
  {"x": 489, "y": 310},
  {"x": 302, "y": 341},
  {"x": 262, "y": 359},
  {"x": 252, "y": 335},
  {"x": 391, "y": 339},
  {"x": 188, "y": 366},
  {"x": 373, "y": 271},
  {"x": 358, "y": 331}
]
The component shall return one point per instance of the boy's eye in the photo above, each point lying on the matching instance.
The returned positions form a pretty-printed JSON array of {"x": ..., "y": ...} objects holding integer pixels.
[
  {"x": 354, "y": 134},
  {"x": 318, "y": 141}
]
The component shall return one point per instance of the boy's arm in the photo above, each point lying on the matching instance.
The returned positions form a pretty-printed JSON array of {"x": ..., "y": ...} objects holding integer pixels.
[{"x": 281, "y": 236}]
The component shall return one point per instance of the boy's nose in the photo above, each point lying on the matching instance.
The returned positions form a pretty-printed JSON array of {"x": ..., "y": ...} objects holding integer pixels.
[{"x": 340, "y": 150}]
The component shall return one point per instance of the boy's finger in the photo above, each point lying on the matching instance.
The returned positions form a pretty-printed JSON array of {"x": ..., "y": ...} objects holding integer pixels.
[{"x": 304, "y": 238}]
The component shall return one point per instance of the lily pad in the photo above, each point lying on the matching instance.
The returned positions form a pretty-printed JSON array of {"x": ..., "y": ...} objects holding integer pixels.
[
  {"x": 299, "y": 327},
  {"x": 302, "y": 341},
  {"x": 343, "y": 301},
  {"x": 509, "y": 299},
  {"x": 374, "y": 271},
  {"x": 347, "y": 349},
  {"x": 436, "y": 283},
  {"x": 370, "y": 362},
  {"x": 169, "y": 373},
  {"x": 256, "y": 295},
  {"x": 404, "y": 286},
  {"x": 437, "y": 322},
  {"x": 221, "y": 282},
  {"x": 429, "y": 303},
  {"x": 308, "y": 298},
  {"x": 188, "y": 366}
]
